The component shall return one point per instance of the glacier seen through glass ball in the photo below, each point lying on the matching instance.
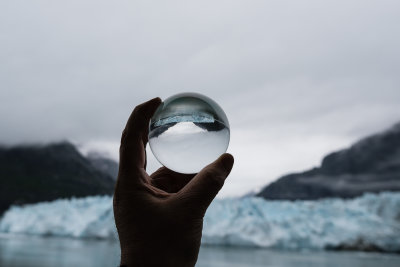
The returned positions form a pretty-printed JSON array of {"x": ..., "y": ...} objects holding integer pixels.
[{"x": 188, "y": 131}]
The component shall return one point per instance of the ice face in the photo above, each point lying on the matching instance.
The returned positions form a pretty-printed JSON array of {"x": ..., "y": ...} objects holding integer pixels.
[
  {"x": 372, "y": 219},
  {"x": 187, "y": 132}
]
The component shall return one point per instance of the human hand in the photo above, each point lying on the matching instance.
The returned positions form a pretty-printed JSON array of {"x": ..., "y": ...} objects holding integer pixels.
[{"x": 159, "y": 217}]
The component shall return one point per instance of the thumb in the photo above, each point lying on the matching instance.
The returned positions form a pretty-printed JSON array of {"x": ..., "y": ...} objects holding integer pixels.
[{"x": 202, "y": 189}]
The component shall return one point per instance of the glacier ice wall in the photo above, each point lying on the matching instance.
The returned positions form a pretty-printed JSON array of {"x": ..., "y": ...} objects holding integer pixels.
[
  {"x": 76, "y": 217},
  {"x": 372, "y": 219}
]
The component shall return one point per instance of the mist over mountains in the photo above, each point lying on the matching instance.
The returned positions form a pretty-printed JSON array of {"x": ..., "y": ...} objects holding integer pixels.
[{"x": 370, "y": 165}]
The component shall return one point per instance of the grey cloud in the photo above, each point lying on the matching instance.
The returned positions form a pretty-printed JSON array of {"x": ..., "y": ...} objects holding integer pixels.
[{"x": 326, "y": 70}]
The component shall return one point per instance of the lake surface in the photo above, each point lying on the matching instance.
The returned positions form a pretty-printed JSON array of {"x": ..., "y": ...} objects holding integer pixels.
[{"x": 27, "y": 251}]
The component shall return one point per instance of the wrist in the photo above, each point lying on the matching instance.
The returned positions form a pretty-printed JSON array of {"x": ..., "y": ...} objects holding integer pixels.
[
  {"x": 154, "y": 261},
  {"x": 166, "y": 256}
]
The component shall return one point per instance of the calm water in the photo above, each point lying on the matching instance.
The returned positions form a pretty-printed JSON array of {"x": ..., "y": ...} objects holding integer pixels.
[{"x": 23, "y": 251}]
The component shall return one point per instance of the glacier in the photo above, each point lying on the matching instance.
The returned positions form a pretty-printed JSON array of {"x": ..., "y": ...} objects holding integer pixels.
[
  {"x": 372, "y": 219},
  {"x": 200, "y": 117}
]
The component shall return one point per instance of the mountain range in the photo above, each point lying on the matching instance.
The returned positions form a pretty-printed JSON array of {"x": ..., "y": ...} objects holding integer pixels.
[
  {"x": 35, "y": 173},
  {"x": 370, "y": 165}
]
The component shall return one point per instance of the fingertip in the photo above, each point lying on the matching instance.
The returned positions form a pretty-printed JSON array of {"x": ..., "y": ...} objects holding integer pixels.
[
  {"x": 152, "y": 105},
  {"x": 155, "y": 100},
  {"x": 227, "y": 161}
]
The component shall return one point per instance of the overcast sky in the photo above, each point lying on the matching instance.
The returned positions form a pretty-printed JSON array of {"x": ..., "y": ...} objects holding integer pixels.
[{"x": 297, "y": 79}]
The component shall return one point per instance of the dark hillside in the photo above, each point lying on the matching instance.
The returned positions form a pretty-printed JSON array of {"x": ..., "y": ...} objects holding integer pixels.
[
  {"x": 36, "y": 173},
  {"x": 370, "y": 165}
]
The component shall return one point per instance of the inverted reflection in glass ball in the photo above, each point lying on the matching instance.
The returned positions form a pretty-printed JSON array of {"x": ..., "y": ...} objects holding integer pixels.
[{"x": 188, "y": 131}]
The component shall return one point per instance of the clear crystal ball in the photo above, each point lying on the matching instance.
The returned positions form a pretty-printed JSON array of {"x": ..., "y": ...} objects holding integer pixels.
[{"x": 188, "y": 131}]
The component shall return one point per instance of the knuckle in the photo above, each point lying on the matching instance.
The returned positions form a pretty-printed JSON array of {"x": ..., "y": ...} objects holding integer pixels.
[
  {"x": 124, "y": 139},
  {"x": 128, "y": 143},
  {"x": 194, "y": 205},
  {"x": 214, "y": 177},
  {"x": 216, "y": 180},
  {"x": 208, "y": 172},
  {"x": 122, "y": 148}
]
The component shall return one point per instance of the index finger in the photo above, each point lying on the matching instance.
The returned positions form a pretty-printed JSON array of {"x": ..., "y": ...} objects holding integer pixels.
[{"x": 134, "y": 137}]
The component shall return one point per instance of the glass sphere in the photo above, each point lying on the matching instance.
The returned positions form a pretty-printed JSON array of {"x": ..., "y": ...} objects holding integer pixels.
[{"x": 188, "y": 131}]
